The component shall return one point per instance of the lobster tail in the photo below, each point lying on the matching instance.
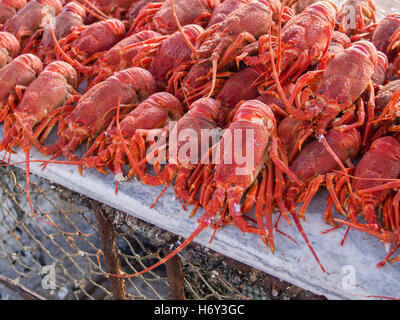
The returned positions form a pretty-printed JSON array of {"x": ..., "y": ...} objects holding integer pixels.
[
  {"x": 75, "y": 8},
  {"x": 326, "y": 9},
  {"x": 10, "y": 42}
]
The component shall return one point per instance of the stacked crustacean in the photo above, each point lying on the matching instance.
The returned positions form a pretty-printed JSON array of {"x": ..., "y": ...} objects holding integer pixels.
[{"x": 300, "y": 92}]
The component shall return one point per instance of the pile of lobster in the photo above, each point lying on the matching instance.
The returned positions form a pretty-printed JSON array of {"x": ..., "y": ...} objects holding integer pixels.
[{"x": 246, "y": 107}]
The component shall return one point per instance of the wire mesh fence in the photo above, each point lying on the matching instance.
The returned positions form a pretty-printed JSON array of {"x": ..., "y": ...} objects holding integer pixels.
[{"x": 71, "y": 260}]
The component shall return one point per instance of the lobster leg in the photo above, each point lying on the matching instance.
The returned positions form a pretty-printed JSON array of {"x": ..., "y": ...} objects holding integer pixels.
[
  {"x": 33, "y": 41},
  {"x": 269, "y": 206},
  {"x": 48, "y": 123},
  {"x": 182, "y": 188},
  {"x": 233, "y": 200},
  {"x": 387, "y": 258},
  {"x": 389, "y": 237},
  {"x": 278, "y": 194},
  {"x": 28, "y": 194},
  {"x": 359, "y": 123},
  {"x": 396, "y": 201},
  {"x": 309, "y": 194},
  {"x": 19, "y": 90},
  {"x": 346, "y": 117},
  {"x": 279, "y": 163},
  {"x": 260, "y": 206},
  {"x": 203, "y": 17},
  {"x": 332, "y": 192},
  {"x": 301, "y": 83},
  {"x": 387, "y": 213},
  {"x": 238, "y": 43},
  {"x": 301, "y": 139},
  {"x": 251, "y": 197},
  {"x": 301, "y": 230},
  {"x": 96, "y": 13},
  {"x": 144, "y": 16}
]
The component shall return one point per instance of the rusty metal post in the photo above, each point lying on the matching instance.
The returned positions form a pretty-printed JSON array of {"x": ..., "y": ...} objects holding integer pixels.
[
  {"x": 175, "y": 277},
  {"x": 110, "y": 251}
]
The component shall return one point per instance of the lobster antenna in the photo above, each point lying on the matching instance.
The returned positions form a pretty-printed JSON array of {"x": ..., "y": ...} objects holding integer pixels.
[
  {"x": 274, "y": 71},
  {"x": 178, "y": 24},
  {"x": 301, "y": 230},
  {"x": 60, "y": 50},
  {"x": 368, "y": 179},
  {"x": 195, "y": 233},
  {"x": 214, "y": 60},
  {"x": 28, "y": 193},
  {"x": 162, "y": 193},
  {"x": 338, "y": 161},
  {"x": 99, "y": 15},
  {"x": 27, "y": 139},
  {"x": 204, "y": 222},
  {"x": 278, "y": 59},
  {"x": 56, "y": 155},
  {"x": 31, "y": 161},
  {"x": 216, "y": 227},
  {"x": 360, "y": 228}
]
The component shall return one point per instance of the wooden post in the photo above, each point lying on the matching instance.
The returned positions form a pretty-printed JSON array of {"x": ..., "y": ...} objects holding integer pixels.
[
  {"x": 24, "y": 292},
  {"x": 175, "y": 277},
  {"x": 110, "y": 251}
]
